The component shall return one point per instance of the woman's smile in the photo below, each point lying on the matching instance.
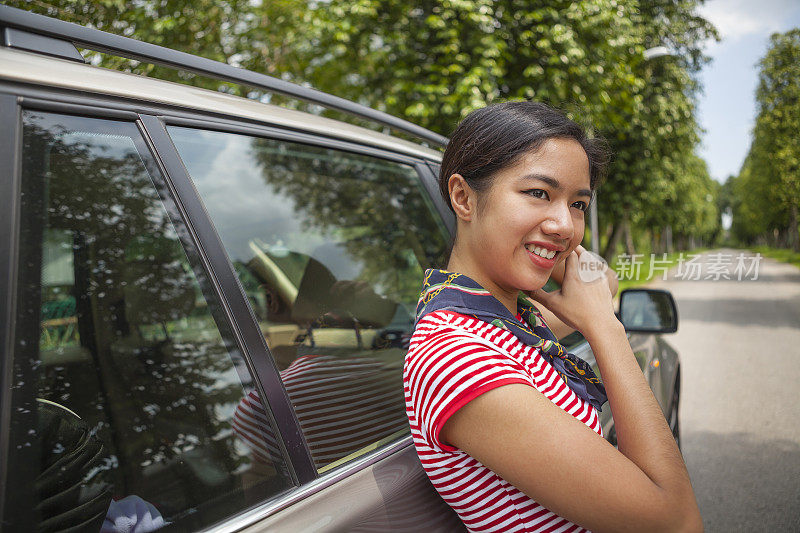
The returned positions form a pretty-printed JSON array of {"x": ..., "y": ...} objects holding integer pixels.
[{"x": 542, "y": 255}]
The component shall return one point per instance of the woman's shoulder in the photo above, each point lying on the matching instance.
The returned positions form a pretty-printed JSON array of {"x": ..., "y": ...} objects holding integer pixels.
[{"x": 444, "y": 333}]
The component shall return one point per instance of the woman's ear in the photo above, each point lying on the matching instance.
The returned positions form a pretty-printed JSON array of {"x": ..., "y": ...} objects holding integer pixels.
[{"x": 462, "y": 197}]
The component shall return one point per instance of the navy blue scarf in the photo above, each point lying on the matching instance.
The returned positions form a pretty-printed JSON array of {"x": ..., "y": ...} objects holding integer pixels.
[{"x": 458, "y": 293}]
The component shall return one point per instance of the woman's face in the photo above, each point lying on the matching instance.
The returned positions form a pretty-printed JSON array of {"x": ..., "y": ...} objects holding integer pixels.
[{"x": 532, "y": 216}]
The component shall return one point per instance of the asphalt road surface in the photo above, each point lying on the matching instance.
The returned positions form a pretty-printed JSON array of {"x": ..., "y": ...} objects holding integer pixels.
[{"x": 739, "y": 342}]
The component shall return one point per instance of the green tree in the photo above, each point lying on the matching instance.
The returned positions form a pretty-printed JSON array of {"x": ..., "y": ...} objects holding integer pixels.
[
  {"x": 757, "y": 207},
  {"x": 766, "y": 194},
  {"x": 433, "y": 61},
  {"x": 778, "y": 121},
  {"x": 657, "y": 148}
]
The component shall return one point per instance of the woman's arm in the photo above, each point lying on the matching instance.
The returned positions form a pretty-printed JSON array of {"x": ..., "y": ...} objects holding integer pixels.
[
  {"x": 559, "y": 328},
  {"x": 561, "y": 463}
]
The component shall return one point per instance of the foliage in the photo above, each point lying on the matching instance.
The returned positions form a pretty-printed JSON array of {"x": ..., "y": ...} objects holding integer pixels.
[
  {"x": 434, "y": 61},
  {"x": 657, "y": 179},
  {"x": 766, "y": 193}
]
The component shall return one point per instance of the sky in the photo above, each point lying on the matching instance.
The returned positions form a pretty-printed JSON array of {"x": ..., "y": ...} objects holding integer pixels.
[{"x": 727, "y": 107}]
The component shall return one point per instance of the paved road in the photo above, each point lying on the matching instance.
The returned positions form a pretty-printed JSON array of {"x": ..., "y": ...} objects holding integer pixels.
[{"x": 740, "y": 347}]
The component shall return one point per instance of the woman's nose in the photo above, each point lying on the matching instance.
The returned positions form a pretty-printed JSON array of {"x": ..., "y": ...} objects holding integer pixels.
[{"x": 559, "y": 221}]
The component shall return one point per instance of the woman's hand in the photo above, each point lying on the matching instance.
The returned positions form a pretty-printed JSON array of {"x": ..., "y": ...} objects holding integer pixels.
[
  {"x": 579, "y": 304},
  {"x": 557, "y": 274},
  {"x": 556, "y": 325}
]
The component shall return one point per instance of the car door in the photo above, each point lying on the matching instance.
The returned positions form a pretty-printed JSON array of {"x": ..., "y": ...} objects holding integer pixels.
[
  {"x": 122, "y": 368},
  {"x": 329, "y": 241}
]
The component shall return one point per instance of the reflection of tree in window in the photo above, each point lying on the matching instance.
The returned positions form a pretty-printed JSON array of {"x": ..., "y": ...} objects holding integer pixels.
[
  {"x": 147, "y": 369},
  {"x": 375, "y": 206}
]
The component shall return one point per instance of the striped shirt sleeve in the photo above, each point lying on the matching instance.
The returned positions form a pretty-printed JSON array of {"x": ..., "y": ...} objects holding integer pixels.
[{"x": 449, "y": 369}]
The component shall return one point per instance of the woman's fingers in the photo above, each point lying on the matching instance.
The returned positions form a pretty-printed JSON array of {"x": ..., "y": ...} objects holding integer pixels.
[{"x": 571, "y": 264}]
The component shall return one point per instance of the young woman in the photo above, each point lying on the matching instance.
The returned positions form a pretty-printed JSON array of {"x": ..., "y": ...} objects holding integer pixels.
[{"x": 504, "y": 421}]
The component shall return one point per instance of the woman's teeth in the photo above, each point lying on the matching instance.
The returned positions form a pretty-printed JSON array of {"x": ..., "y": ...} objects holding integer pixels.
[{"x": 542, "y": 252}]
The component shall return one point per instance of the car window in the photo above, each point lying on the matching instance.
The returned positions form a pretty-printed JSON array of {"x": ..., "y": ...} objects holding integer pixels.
[
  {"x": 330, "y": 248},
  {"x": 126, "y": 383}
]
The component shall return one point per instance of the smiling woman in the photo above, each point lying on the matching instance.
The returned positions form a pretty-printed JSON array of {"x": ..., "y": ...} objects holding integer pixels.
[
  {"x": 504, "y": 420},
  {"x": 531, "y": 217}
]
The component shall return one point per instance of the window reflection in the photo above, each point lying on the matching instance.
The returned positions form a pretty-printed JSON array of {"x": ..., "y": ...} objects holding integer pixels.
[
  {"x": 127, "y": 391},
  {"x": 330, "y": 248}
]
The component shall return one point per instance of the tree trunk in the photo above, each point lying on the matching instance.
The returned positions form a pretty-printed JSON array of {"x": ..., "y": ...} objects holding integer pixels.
[
  {"x": 655, "y": 242},
  {"x": 668, "y": 238},
  {"x": 611, "y": 245},
  {"x": 629, "y": 247},
  {"x": 794, "y": 244}
]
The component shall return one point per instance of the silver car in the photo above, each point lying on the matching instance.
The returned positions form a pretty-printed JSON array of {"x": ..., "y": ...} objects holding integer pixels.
[{"x": 205, "y": 301}]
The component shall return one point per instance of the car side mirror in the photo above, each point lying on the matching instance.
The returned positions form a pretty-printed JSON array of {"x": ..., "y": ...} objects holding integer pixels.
[{"x": 648, "y": 311}]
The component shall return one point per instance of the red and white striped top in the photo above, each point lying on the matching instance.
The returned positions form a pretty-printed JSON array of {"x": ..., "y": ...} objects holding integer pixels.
[{"x": 452, "y": 359}]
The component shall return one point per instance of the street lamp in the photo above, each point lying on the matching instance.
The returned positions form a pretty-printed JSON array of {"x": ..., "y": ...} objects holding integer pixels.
[
  {"x": 650, "y": 53},
  {"x": 593, "y": 224},
  {"x": 656, "y": 51}
]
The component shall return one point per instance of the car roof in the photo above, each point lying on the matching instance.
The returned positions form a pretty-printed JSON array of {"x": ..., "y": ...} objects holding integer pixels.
[{"x": 40, "y": 70}]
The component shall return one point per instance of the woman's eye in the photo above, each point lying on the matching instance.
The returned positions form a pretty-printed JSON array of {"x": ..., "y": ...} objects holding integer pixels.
[
  {"x": 537, "y": 193},
  {"x": 581, "y": 205}
]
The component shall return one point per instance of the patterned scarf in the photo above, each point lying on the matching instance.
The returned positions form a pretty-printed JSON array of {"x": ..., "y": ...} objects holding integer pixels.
[{"x": 458, "y": 293}]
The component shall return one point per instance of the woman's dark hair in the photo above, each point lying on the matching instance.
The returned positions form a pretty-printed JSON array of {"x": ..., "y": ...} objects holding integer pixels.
[{"x": 495, "y": 137}]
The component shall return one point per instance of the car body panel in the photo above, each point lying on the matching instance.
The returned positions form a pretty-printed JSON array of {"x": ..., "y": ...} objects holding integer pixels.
[{"x": 392, "y": 494}]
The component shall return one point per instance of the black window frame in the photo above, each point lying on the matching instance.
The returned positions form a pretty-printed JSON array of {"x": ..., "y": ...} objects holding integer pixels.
[
  {"x": 152, "y": 119},
  {"x": 10, "y": 146}
]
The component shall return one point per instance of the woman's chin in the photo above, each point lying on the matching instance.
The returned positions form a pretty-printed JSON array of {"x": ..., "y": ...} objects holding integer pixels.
[{"x": 534, "y": 285}]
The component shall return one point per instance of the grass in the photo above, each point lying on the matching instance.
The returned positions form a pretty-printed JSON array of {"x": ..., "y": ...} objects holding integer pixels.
[{"x": 781, "y": 254}]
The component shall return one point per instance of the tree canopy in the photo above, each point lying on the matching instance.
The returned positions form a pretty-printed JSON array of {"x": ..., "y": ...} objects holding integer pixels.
[
  {"x": 766, "y": 193},
  {"x": 434, "y": 61}
]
